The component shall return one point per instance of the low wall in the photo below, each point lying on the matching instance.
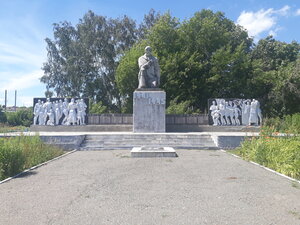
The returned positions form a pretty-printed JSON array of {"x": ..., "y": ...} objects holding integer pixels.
[
  {"x": 228, "y": 141},
  {"x": 97, "y": 119},
  {"x": 68, "y": 143}
]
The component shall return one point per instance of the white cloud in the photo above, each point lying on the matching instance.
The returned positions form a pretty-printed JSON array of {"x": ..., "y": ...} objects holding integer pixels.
[
  {"x": 298, "y": 12},
  {"x": 20, "y": 82},
  {"x": 283, "y": 11},
  {"x": 262, "y": 20},
  {"x": 21, "y": 53}
]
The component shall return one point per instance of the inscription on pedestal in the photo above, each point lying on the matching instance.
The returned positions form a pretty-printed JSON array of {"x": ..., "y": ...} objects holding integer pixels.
[{"x": 149, "y": 111}]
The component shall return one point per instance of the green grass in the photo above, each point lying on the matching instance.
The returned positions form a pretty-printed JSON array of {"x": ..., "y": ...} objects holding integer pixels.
[
  {"x": 287, "y": 124},
  {"x": 280, "y": 153},
  {"x": 8, "y": 129},
  {"x": 22, "y": 152}
]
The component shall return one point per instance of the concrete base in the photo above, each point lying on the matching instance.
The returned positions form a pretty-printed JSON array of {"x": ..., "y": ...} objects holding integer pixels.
[
  {"x": 209, "y": 128},
  {"x": 147, "y": 152},
  {"x": 85, "y": 128},
  {"x": 66, "y": 142},
  {"x": 149, "y": 111}
]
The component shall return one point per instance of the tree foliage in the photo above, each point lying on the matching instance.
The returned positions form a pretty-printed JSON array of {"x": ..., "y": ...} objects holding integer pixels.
[
  {"x": 82, "y": 59},
  {"x": 205, "y": 56},
  {"x": 200, "y": 58},
  {"x": 3, "y": 118},
  {"x": 209, "y": 56}
]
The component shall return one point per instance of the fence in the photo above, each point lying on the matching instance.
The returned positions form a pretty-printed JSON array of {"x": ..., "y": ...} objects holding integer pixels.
[{"x": 199, "y": 119}]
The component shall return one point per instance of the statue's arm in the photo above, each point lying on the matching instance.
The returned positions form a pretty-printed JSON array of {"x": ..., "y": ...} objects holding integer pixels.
[{"x": 143, "y": 63}]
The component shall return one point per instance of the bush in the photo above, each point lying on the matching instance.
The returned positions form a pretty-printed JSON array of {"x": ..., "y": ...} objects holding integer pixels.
[
  {"x": 22, "y": 152},
  {"x": 23, "y": 117},
  {"x": 280, "y": 153},
  {"x": 289, "y": 124},
  {"x": 11, "y": 159},
  {"x": 180, "y": 108},
  {"x": 97, "y": 108},
  {"x": 3, "y": 118}
]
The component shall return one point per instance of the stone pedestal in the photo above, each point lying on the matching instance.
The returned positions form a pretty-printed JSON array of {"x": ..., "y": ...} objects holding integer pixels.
[
  {"x": 145, "y": 152},
  {"x": 149, "y": 111}
]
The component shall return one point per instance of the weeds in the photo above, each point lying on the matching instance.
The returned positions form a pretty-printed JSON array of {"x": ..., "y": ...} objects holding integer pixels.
[
  {"x": 280, "y": 153},
  {"x": 8, "y": 129},
  {"x": 22, "y": 152}
]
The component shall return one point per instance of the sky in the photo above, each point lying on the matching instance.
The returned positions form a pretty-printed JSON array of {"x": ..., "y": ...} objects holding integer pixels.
[{"x": 24, "y": 25}]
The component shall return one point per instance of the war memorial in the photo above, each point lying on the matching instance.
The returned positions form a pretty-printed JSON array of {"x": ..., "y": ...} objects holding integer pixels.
[
  {"x": 140, "y": 179},
  {"x": 148, "y": 129}
]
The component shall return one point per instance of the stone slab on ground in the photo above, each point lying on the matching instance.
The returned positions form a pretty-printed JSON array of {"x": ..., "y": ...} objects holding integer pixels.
[
  {"x": 110, "y": 187},
  {"x": 148, "y": 151}
]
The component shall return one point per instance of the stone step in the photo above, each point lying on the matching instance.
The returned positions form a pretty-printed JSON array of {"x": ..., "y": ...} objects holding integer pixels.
[
  {"x": 128, "y": 141},
  {"x": 130, "y": 147}
]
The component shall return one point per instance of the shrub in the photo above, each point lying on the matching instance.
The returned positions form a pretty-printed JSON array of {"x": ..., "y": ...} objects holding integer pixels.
[
  {"x": 23, "y": 117},
  {"x": 280, "y": 153},
  {"x": 12, "y": 159},
  {"x": 97, "y": 108},
  {"x": 3, "y": 118},
  {"x": 180, "y": 108},
  {"x": 22, "y": 152},
  {"x": 289, "y": 123}
]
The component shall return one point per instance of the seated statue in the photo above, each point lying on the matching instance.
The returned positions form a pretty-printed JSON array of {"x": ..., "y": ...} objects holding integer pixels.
[{"x": 149, "y": 74}]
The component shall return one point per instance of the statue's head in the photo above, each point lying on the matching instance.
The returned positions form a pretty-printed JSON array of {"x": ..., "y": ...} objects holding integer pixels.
[{"x": 148, "y": 51}]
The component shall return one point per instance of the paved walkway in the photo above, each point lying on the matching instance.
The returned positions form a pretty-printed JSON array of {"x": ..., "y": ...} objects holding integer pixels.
[{"x": 109, "y": 187}]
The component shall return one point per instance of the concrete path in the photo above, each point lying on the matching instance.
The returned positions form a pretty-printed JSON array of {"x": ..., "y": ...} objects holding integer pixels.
[{"x": 109, "y": 187}]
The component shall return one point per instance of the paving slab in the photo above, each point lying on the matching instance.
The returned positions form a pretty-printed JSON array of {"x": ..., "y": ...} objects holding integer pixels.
[{"x": 110, "y": 187}]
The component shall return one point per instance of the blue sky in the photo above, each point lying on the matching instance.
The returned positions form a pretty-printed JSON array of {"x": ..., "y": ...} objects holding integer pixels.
[{"x": 24, "y": 24}]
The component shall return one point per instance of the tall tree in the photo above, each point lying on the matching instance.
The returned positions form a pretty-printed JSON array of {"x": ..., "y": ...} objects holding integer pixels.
[
  {"x": 200, "y": 58},
  {"x": 82, "y": 60},
  {"x": 273, "y": 63}
]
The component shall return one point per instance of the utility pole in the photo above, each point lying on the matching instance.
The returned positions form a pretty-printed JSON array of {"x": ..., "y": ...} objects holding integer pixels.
[
  {"x": 5, "y": 101},
  {"x": 15, "y": 100}
]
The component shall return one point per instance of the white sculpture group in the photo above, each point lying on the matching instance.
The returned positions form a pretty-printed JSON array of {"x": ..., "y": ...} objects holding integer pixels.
[
  {"x": 60, "y": 112},
  {"x": 235, "y": 112}
]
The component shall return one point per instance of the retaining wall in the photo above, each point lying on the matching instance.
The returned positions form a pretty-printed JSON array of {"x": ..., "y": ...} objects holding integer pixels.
[{"x": 98, "y": 119}]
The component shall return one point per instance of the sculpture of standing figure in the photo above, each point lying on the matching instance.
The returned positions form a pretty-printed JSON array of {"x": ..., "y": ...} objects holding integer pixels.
[
  {"x": 222, "y": 112},
  {"x": 255, "y": 113},
  {"x": 236, "y": 113},
  {"x": 72, "y": 117},
  {"x": 41, "y": 114},
  {"x": 245, "y": 112},
  {"x": 215, "y": 113},
  {"x": 65, "y": 111},
  {"x": 47, "y": 106},
  {"x": 57, "y": 112},
  {"x": 36, "y": 111},
  {"x": 231, "y": 113},
  {"x": 81, "y": 112},
  {"x": 149, "y": 74}
]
